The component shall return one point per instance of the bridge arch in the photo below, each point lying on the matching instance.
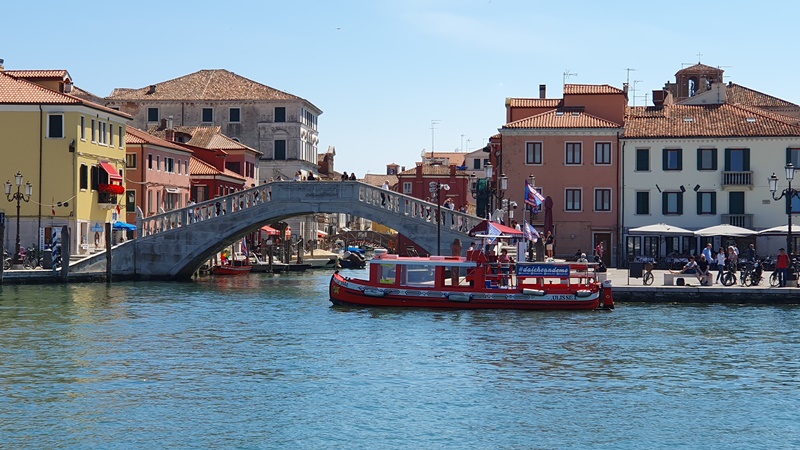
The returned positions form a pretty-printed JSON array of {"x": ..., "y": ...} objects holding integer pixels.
[{"x": 174, "y": 245}]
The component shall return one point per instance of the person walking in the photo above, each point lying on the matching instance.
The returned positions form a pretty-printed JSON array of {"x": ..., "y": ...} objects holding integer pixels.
[
  {"x": 707, "y": 252},
  {"x": 720, "y": 259},
  {"x": 782, "y": 266}
]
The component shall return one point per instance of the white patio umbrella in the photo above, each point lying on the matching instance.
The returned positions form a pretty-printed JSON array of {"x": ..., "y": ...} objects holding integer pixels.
[
  {"x": 780, "y": 230},
  {"x": 659, "y": 228},
  {"x": 725, "y": 230}
]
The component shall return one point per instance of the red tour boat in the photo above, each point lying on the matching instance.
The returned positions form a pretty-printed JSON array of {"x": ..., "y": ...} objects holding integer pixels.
[{"x": 473, "y": 282}]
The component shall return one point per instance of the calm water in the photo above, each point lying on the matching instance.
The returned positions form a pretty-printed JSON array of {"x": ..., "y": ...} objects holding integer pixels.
[{"x": 265, "y": 362}]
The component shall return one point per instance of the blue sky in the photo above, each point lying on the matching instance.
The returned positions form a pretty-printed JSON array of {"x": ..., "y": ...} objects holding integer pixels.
[{"x": 381, "y": 71}]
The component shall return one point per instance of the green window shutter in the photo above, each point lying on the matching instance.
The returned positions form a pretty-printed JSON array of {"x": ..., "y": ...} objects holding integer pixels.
[
  {"x": 727, "y": 160},
  {"x": 664, "y": 203},
  {"x": 788, "y": 155},
  {"x": 714, "y": 159},
  {"x": 680, "y": 203},
  {"x": 664, "y": 159},
  {"x": 746, "y": 160},
  {"x": 699, "y": 203},
  {"x": 714, "y": 203},
  {"x": 680, "y": 159}
]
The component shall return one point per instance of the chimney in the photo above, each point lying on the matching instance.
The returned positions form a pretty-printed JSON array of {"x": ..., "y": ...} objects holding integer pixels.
[
  {"x": 625, "y": 88},
  {"x": 169, "y": 134},
  {"x": 163, "y": 124},
  {"x": 169, "y": 122},
  {"x": 67, "y": 87},
  {"x": 2, "y": 67},
  {"x": 542, "y": 91},
  {"x": 152, "y": 89},
  {"x": 658, "y": 97}
]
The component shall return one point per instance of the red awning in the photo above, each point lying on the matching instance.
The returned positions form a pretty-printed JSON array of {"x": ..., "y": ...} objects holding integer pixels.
[
  {"x": 321, "y": 233},
  {"x": 111, "y": 171},
  {"x": 270, "y": 231},
  {"x": 483, "y": 228}
]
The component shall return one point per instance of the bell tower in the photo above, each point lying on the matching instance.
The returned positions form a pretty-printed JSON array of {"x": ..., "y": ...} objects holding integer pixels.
[{"x": 694, "y": 80}]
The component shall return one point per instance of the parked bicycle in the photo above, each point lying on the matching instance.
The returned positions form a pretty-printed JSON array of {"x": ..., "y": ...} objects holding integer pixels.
[
  {"x": 729, "y": 276},
  {"x": 30, "y": 258},
  {"x": 648, "y": 278},
  {"x": 752, "y": 273}
]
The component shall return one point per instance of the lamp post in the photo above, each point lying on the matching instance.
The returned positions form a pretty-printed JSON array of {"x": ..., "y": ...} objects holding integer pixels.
[
  {"x": 790, "y": 194},
  {"x": 436, "y": 189},
  {"x": 18, "y": 197}
]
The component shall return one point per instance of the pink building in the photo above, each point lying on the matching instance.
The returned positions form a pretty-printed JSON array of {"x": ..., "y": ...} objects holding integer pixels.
[
  {"x": 157, "y": 174},
  {"x": 571, "y": 147}
]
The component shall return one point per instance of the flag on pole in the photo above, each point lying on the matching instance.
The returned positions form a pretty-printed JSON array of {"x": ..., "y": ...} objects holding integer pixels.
[
  {"x": 529, "y": 232},
  {"x": 532, "y": 196},
  {"x": 244, "y": 248},
  {"x": 493, "y": 232}
]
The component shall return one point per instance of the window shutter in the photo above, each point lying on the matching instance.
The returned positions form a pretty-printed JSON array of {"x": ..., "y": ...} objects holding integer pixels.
[
  {"x": 746, "y": 159},
  {"x": 699, "y": 203},
  {"x": 664, "y": 159},
  {"x": 714, "y": 159},
  {"x": 714, "y": 202},
  {"x": 788, "y": 155},
  {"x": 727, "y": 160},
  {"x": 680, "y": 159},
  {"x": 680, "y": 203},
  {"x": 664, "y": 208}
]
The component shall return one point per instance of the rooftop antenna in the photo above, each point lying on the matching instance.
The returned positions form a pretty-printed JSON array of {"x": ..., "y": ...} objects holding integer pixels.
[
  {"x": 433, "y": 129},
  {"x": 468, "y": 141},
  {"x": 568, "y": 74},
  {"x": 628, "y": 78},
  {"x": 633, "y": 89}
]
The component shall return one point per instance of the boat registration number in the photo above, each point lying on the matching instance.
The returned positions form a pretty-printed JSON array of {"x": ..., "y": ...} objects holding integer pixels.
[{"x": 562, "y": 297}]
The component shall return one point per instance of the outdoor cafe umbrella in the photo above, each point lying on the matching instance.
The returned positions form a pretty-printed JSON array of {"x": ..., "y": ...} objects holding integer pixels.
[
  {"x": 780, "y": 230},
  {"x": 725, "y": 230},
  {"x": 660, "y": 229}
]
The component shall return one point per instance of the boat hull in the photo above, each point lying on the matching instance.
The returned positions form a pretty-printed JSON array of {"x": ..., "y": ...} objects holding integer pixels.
[
  {"x": 231, "y": 270},
  {"x": 352, "y": 292}
]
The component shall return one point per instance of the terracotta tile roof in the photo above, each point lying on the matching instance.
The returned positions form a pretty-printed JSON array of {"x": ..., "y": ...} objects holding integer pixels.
[
  {"x": 17, "y": 91},
  {"x": 429, "y": 169},
  {"x": 562, "y": 118},
  {"x": 209, "y": 137},
  {"x": 456, "y": 158},
  {"x": 591, "y": 89},
  {"x": 137, "y": 136},
  {"x": 200, "y": 167},
  {"x": 57, "y": 74},
  {"x": 216, "y": 84},
  {"x": 699, "y": 68},
  {"x": 725, "y": 120},
  {"x": 746, "y": 96},
  {"x": 377, "y": 180},
  {"x": 533, "y": 102}
]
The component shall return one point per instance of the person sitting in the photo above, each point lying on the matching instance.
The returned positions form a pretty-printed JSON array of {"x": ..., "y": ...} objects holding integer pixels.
[
  {"x": 703, "y": 274},
  {"x": 690, "y": 267},
  {"x": 582, "y": 258}
]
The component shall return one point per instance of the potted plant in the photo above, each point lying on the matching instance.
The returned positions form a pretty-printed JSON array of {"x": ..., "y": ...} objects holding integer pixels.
[{"x": 113, "y": 189}]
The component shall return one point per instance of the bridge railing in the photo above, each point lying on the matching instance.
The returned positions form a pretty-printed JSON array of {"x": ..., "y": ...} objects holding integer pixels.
[
  {"x": 417, "y": 209},
  {"x": 375, "y": 197},
  {"x": 203, "y": 211}
]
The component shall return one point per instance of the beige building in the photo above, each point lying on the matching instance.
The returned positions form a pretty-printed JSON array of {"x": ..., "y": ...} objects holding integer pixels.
[{"x": 282, "y": 126}]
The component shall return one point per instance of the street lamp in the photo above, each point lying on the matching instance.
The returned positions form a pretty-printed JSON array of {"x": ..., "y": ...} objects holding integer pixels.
[
  {"x": 18, "y": 197},
  {"x": 790, "y": 194},
  {"x": 437, "y": 187}
]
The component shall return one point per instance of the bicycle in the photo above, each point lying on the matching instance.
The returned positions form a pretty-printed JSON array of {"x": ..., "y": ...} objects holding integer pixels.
[
  {"x": 729, "y": 276},
  {"x": 31, "y": 259},
  {"x": 754, "y": 274},
  {"x": 648, "y": 277}
]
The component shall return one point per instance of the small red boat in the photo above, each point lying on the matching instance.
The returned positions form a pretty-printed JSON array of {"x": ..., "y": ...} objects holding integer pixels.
[
  {"x": 231, "y": 270},
  {"x": 474, "y": 282}
]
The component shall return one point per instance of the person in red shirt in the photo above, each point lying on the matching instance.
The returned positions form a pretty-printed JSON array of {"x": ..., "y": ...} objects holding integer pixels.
[{"x": 782, "y": 266}]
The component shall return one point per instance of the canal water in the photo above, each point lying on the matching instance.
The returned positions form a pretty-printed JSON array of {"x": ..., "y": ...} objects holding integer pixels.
[{"x": 265, "y": 361}]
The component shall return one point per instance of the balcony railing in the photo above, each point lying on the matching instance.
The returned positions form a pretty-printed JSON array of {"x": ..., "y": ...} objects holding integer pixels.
[
  {"x": 737, "y": 178},
  {"x": 739, "y": 220}
]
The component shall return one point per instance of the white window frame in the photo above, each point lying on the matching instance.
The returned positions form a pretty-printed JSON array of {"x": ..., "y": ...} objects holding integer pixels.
[
  {"x": 610, "y": 148},
  {"x": 610, "y": 199},
  {"x": 567, "y": 200},
  {"x": 63, "y": 130},
  {"x": 407, "y": 187}
]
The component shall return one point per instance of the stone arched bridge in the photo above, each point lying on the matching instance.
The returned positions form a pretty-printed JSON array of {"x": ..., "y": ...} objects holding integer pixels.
[{"x": 174, "y": 245}]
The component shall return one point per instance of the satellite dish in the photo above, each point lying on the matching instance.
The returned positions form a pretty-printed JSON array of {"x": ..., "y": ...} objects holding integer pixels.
[
  {"x": 446, "y": 187},
  {"x": 432, "y": 184}
]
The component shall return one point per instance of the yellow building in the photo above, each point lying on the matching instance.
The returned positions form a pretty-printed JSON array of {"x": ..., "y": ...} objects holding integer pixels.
[{"x": 72, "y": 152}]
